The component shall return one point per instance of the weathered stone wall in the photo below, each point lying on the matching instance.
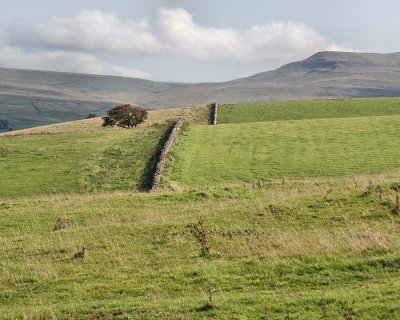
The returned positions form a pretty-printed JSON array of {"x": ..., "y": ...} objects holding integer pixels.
[
  {"x": 164, "y": 152},
  {"x": 214, "y": 111}
]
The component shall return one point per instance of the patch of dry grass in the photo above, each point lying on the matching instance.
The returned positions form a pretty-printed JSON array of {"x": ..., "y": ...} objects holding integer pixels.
[{"x": 194, "y": 114}]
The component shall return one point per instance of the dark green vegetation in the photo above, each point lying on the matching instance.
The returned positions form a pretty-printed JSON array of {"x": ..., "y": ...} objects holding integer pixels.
[
  {"x": 256, "y": 243},
  {"x": 323, "y": 75},
  {"x": 124, "y": 116}
]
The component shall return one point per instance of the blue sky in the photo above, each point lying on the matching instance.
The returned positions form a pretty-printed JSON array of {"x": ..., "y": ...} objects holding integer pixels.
[{"x": 188, "y": 40}]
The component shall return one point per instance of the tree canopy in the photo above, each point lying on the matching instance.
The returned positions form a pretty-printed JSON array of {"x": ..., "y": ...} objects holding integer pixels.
[{"x": 125, "y": 116}]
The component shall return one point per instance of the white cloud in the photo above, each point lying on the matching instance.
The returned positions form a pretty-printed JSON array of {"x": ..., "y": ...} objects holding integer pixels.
[
  {"x": 75, "y": 43},
  {"x": 276, "y": 40},
  {"x": 87, "y": 31},
  {"x": 180, "y": 35},
  {"x": 65, "y": 61}
]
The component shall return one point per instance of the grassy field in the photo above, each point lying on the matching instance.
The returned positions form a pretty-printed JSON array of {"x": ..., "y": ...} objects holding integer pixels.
[
  {"x": 301, "y": 250},
  {"x": 248, "y": 152},
  {"x": 279, "y": 220},
  {"x": 308, "y": 109},
  {"x": 84, "y": 157},
  {"x": 70, "y": 163}
]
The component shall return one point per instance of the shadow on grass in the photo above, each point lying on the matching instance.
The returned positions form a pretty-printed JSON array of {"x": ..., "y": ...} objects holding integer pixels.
[
  {"x": 150, "y": 168},
  {"x": 204, "y": 308}
]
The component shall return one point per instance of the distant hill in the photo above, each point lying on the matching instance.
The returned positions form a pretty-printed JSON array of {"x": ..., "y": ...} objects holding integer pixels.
[
  {"x": 334, "y": 75},
  {"x": 30, "y": 98}
]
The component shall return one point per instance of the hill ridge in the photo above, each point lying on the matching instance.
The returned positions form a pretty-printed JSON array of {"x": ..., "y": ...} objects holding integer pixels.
[{"x": 323, "y": 75}]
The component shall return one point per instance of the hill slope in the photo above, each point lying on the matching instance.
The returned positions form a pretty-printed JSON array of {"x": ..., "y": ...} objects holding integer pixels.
[
  {"x": 82, "y": 156},
  {"x": 66, "y": 96},
  {"x": 337, "y": 74},
  {"x": 302, "y": 248}
]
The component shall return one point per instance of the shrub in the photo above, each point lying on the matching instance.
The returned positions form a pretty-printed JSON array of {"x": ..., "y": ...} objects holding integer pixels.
[{"x": 125, "y": 116}]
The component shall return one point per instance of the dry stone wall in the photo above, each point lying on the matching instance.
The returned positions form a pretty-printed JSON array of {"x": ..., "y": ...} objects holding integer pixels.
[
  {"x": 214, "y": 110},
  {"x": 164, "y": 152}
]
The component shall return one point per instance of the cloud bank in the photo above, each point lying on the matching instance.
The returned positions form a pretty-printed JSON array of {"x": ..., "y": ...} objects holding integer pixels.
[
  {"x": 181, "y": 35},
  {"x": 75, "y": 43},
  {"x": 65, "y": 61},
  {"x": 87, "y": 31}
]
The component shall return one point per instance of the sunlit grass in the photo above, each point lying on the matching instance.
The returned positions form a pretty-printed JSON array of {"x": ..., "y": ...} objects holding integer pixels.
[
  {"x": 249, "y": 152},
  {"x": 301, "y": 217},
  {"x": 82, "y": 156},
  {"x": 274, "y": 247},
  {"x": 308, "y": 109}
]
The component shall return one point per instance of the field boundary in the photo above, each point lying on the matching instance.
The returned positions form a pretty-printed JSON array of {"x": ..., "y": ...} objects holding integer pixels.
[
  {"x": 214, "y": 113},
  {"x": 164, "y": 153}
]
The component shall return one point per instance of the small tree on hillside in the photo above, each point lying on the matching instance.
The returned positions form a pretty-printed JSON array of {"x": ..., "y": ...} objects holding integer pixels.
[{"x": 125, "y": 116}]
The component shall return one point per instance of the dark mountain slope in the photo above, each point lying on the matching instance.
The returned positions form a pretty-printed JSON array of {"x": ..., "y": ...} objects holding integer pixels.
[
  {"x": 323, "y": 75},
  {"x": 337, "y": 74}
]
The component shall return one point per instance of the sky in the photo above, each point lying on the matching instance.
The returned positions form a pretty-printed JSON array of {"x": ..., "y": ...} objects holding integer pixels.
[{"x": 188, "y": 40}]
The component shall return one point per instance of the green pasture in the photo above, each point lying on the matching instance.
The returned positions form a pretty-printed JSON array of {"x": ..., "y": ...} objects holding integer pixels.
[
  {"x": 280, "y": 251},
  {"x": 78, "y": 162},
  {"x": 308, "y": 109},
  {"x": 247, "y": 152},
  {"x": 295, "y": 218}
]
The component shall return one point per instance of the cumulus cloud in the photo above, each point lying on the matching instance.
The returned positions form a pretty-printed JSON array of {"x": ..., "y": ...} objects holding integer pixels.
[
  {"x": 65, "y": 61},
  {"x": 277, "y": 40},
  {"x": 87, "y": 31},
  {"x": 75, "y": 43},
  {"x": 177, "y": 33}
]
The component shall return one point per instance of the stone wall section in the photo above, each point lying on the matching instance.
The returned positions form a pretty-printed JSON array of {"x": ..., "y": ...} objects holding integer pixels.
[
  {"x": 164, "y": 153},
  {"x": 214, "y": 113}
]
